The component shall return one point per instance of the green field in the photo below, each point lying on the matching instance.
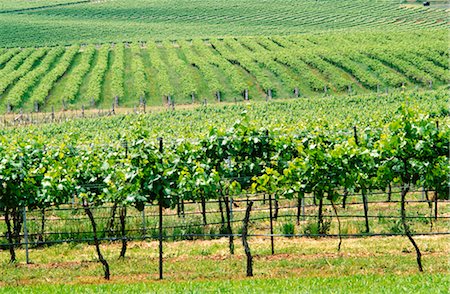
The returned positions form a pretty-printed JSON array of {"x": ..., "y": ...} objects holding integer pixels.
[
  {"x": 355, "y": 284},
  {"x": 302, "y": 265},
  {"x": 140, "y": 20}
]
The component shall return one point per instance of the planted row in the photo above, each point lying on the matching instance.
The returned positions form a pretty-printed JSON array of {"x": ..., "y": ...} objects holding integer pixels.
[
  {"x": 139, "y": 76},
  {"x": 40, "y": 94},
  {"x": 118, "y": 69},
  {"x": 97, "y": 76},
  {"x": 72, "y": 87},
  {"x": 20, "y": 90},
  {"x": 10, "y": 74}
]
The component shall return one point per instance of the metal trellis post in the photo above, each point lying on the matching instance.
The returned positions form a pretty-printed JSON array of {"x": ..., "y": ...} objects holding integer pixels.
[{"x": 25, "y": 234}]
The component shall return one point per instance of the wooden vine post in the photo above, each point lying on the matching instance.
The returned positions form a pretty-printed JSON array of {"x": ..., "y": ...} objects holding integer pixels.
[{"x": 244, "y": 240}]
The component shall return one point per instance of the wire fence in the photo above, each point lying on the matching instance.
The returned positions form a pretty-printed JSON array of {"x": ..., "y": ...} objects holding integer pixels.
[
  {"x": 40, "y": 118},
  {"x": 194, "y": 220}
]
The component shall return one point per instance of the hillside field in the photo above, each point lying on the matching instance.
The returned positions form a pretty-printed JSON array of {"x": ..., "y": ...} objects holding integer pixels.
[
  {"x": 106, "y": 21},
  {"x": 225, "y": 69}
]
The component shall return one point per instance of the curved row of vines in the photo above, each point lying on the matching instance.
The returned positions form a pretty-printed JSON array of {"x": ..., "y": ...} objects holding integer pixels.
[{"x": 226, "y": 69}]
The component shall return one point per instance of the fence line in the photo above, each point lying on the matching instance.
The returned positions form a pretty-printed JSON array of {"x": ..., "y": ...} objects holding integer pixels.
[
  {"x": 246, "y": 198},
  {"x": 235, "y": 221},
  {"x": 55, "y": 209},
  {"x": 140, "y": 233}
]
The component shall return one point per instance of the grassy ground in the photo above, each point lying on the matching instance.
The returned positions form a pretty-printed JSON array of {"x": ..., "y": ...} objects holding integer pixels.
[
  {"x": 416, "y": 283},
  {"x": 299, "y": 265}
]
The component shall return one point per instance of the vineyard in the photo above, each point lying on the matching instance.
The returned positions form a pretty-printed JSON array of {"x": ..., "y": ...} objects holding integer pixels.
[
  {"x": 314, "y": 167},
  {"x": 220, "y": 70},
  {"x": 334, "y": 112},
  {"x": 37, "y": 23},
  {"x": 235, "y": 146}
]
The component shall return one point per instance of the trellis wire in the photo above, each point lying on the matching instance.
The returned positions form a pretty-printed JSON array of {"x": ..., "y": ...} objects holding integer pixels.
[
  {"x": 174, "y": 237},
  {"x": 193, "y": 225}
]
